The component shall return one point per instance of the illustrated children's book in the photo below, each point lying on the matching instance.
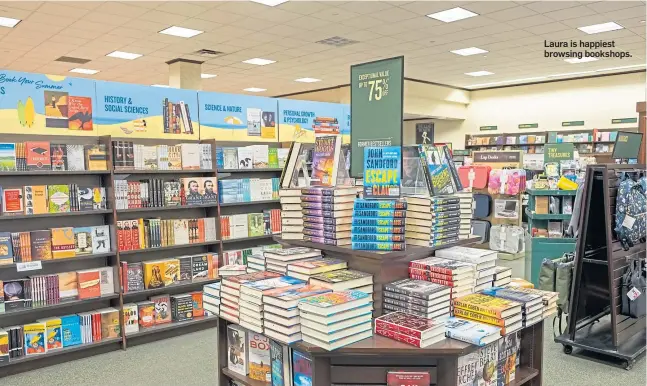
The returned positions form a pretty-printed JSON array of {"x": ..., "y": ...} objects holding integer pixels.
[
  {"x": 324, "y": 161},
  {"x": 53, "y": 333},
  {"x": 35, "y": 340},
  {"x": 382, "y": 170}
]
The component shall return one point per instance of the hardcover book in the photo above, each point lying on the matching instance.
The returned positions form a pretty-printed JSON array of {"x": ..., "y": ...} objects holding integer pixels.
[
  {"x": 38, "y": 155},
  {"x": 13, "y": 201},
  {"x": 324, "y": 161},
  {"x": 259, "y": 357},
  {"x": 382, "y": 170},
  {"x": 488, "y": 305},
  {"x": 41, "y": 245},
  {"x": 75, "y": 157},
  {"x": 301, "y": 369},
  {"x": 417, "y": 288},
  {"x": 475, "y": 333},
  {"x": 146, "y": 312},
  {"x": 35, "y": 338},
  {"x": 89, "y": 283},
  {"x": 479, "y": 367},
  {"x": 280, "y": 363},
  {"x": 408, "y": 324},
  {"x": 58, "y": 153},
  {"x": 58, "y": 198},
  {"x": 83, "y": 240},
  {"x": 162, "y": 304},
  {"x": 7, "y": 157},
  {"x": 237, "y": 349}
]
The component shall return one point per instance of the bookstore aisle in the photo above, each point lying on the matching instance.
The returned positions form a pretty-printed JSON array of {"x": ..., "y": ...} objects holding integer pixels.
[{"x": 192, "y": 359}]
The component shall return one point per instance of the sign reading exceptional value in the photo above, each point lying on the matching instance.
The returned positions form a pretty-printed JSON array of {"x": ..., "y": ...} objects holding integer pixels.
[
  {"x": 627, "y": 145},
  {"x": 376, "y": 107},
  {"x": 556, "y": 152}
]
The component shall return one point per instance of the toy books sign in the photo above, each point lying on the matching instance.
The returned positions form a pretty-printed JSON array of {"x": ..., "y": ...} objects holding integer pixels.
[
  {"x": 382, "y": 167},
  {"x": 46, "y": 104}
]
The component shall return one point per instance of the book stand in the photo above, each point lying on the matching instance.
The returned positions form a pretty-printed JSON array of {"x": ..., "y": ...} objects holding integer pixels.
[
  {"x": 303, "y": 169},
  {"x": 595, "y": 323}
]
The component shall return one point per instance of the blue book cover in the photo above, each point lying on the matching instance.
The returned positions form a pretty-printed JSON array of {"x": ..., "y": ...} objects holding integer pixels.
[
  {"x": 382, "y": 170},
  {"x": 478, "y": 334},
  {"x": 6, "y": 248},
  {"x": 369, "y": 229},
  {"x": 71, "y": 327},
  {"x": 301, "y": 369},
  {"x": 247, "y": 195},
  {"x": 376, "y": 221},
  {"x": 277, "y": 363},
  {"x": 7, "y": 156},
  {"x": 378, "y": 246},
  {"x": 378, "y": 237},
  {"x": 220, "y": 158},
  {"x": 379, "y": 204},
  {"x": 275, "y": 282},
  {"x": 388, "y": 213}
]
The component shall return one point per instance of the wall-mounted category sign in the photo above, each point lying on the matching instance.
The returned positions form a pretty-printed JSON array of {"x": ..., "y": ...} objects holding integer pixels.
[
  {"x": 617, "y": 121},
  {"x": 572, "y": 123},
  {"x": 424, "y": 133},
  {"x": 376, "y": 107},
  {"x": 627, "y": 145},
  {"x": 529, "y": 125},
  {"x": 487, "y": 128},
  {"x": 134, "y": 111},
  {"x": 556, "y": 152},
  {"x": 301, "y": 121},
  {"x": 497, "y": 156},
  {"x": 46, "y": 104},
  {"x": 230, "y": 117},
  {"x": 461, "y": 152}
]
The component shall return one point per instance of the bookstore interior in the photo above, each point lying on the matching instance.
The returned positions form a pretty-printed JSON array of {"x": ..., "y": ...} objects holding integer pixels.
[{"x": 365, "y": 228}]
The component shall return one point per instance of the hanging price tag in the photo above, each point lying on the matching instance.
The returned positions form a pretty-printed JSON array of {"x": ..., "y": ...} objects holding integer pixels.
[
  {"x": 29, "y": 266},
  {"x": 633, "y": 294}
]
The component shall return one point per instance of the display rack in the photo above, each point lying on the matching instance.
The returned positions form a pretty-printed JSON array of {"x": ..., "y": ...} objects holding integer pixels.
[{"x": 595, "y": 322}]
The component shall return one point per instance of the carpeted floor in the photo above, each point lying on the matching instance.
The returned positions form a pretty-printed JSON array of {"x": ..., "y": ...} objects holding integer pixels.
[{"x": 191, "y": 360}]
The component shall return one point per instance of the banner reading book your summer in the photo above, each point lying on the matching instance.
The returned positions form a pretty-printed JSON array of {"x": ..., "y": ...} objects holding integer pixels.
[
  {"x": 134, "y": 111},
  {"x": 45, "y": 104},
  {"x": 300, "y": 121},
  {"x": 230, "y": 117}
]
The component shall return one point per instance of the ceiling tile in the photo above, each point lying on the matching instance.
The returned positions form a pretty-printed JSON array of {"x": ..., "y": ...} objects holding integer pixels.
[
  {"x": 603, "y": 7},
  {"x": 530, "y": 21},
  {"x": 394, "y": 15},
  {"x": 218, "y": 16},
  {"x": 303, "y": 7},
  {"x": 121, "y": 9},
  {"x": 512, "y": 14},
  {"x": 181, "y": 8},
  {"x": 546, "y": 28},
  {"x": 333, "y": 14},
  {"x": 570, "y": 13},
  {"x": 71, "y": 11},
  {"x": 26, "y": 5},
  {"x": 485, "y": 7},
  {"x": 361, "y": 7},
  {"x": 427, "y": 7}
]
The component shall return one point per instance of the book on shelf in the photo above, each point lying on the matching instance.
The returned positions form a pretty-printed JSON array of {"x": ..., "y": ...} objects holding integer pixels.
[
  {"x": 301, "y": 369},
  {"x": 488, "y": 305},
  {"x": 280, "y": 364},
  {"x": 325, "y": 161},
  {"x": 259, "y": 357},
  {"x": 472, "y": 332},
  {"x": 479, "y": 367},
  {"x": 237, "y": 351}
]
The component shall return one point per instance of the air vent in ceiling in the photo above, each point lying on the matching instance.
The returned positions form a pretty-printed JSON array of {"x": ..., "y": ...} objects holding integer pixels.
[
  {"x": 208, "y": 53},
  {"x": 70, "y": 59},
  {"x": 337, "y": 41}
]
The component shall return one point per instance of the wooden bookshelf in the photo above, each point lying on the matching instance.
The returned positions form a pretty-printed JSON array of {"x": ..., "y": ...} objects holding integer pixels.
[
  {"x": 65, "y": 214},
  {"x": 245, "y": 380},
  {"x": 62, "y": 351},
  {"x": 169, "y": 247},
  {"x": 166, "y": 208},
  {"x": 153, "y": 171},
  {"x": 249, "y": 203},
  {"x": 171, "y": 326},
  {"x": 63, "y": 304},
  {"x": 172, "y": 288}
]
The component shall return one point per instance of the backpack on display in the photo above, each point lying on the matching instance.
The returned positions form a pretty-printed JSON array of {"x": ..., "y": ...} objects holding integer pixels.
[
  {"x": 474, "y": 176},
  {"x": 633, "y": 290},
  {"x": 482, "y": 205},
  {"x": 507, "y": 238},
  {"x": 630, "y": 211},
  {"x": 507, "y": 181},
  {"x": 481, "y": 228}
]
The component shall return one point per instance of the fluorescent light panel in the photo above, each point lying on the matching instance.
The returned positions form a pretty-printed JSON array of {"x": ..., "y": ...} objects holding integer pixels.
[
  {"x": 583, "y": 60},
  {"x": 181, "y": 32},
  {"x": 599, "y": 28},
  {"x": 124, "y": 55},
  {"x": 307, "y": 80},
  {"x": 479, "y": 73},
  {"x": 270, "y": 3},
  {"x": 8, "y": 22},
  {"x": 255, "y": 89},
  {"x": 85, "y": 71},
  {"x": 161, "y": 85},
  {"x": 469, "y": 51},
  {"x": 451, "y": 15},
  {"x": 207, "y": 76},
  {"x": 259, "y": 61}
]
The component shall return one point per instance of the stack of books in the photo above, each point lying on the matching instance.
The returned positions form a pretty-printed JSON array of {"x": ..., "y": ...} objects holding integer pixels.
[
  {"x": 327, "y": 214},
  {"x": 374, "y": 225},
  {"x": 248, "y": 190},
  {"x": 457, "y": 275},
  {"x": 549, "y": 299},
  {"x": 291, "y": 216},
  {"x": 438, "y": 221},
  {"x": 410, "y": 329},
  {"x": 185, "y": 156},
  {"x": 306, "y": 269},
  {"x": 230, "y": 292},
  {"x": 251, "y": 157},
  {"x": 277, "y": 260},
  {"x": 240, "y": 256},
  {"x": 502, "y": 276},
  {"x": 251, "y": 298},
  {"x": 281, "y": 315},
  {"x": 211, "y": 299},
  {"x": 232, "y": 270},
  {"x": 336, "y": 319},
  {"x": 256, "y": 262},
  {"x": 43, "y": 155},
  {"x": 469, "y": 331},
  {"x": 483, "y": 259},
  {"x": 502, "y": 313},
  {"x": 532, "y": 306},
  {"x": 344, "y": 279},
  {"x": 422, "y": 298}
]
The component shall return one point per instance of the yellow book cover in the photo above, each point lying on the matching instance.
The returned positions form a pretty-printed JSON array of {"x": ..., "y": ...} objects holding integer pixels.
[
  {"x": 36, "y": 199},
  {"x": 153, "y": 274},
  {"x": 487, "y": 305},
  {"x": 4, "y": 346},
  {"x": 110, "y": 323},
  {"x": 171, "y": 271},
  {"x": 63, "y": 243},
  {"x": 34, "y": 335},
  {"x": 53, "y": 332},
  {"x": 142, "y": 241},
  {"x": 475, "y": 316}
]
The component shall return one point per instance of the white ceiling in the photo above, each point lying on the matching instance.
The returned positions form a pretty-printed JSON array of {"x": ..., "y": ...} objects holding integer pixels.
[{"x": 513, "y": 32}]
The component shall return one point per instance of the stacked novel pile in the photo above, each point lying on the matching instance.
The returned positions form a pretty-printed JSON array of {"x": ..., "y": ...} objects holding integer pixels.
[
  {"x": 336, "y": 319},
  {"x": 532, "y": 306},
  {"x": 483, "y": 259},
  {"x": 502, "y": 276},
  {"x": 277, "y": 260},
  {"x": 251, "y": 299},
  {"x": 230, "y": 293},
  {"x": 457, "y": 275},
  {"x": 438, "y": 221},
  {"x": 549, "y": 299},
  {"x": 232, "y": 270},
  {"x": 291, "y": 216},
  {"x": 377, "y": 225},
  {"x": 327, "y": 214},
  {"x": 410, "y": 329},
  {"x": 211, "y": 299},
  {"x": 490, "y": 310},
  {"x": 256, "y": 262},
  {"x": 344, "y": 279},
  {"x": 418, "y": 297},
  {"x": 305, "y": 269},
  {"x": 281, "y": 315}
]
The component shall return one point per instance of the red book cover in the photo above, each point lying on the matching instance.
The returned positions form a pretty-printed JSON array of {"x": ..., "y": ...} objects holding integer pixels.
[
  {"x": 127, "y": 236},
  {"x": 198, "y": 309},
  {"x": 430, "y": 274},
  {"x": 397, "y": 336},
  {"x": 406, "y": 323},
  {"x": 13, "y": 200},
  {"x": 79, "y": 113},
  {"x": 201, "y": 237},
  {"x": 433, "y": 280},
  {"x": 408, "y": 378},
  {"x": 134, "y": 229},
  {"x": 427, "y": 267},
  {"x": 120, "y": 236},
  {"x": 38, "y": 155}
]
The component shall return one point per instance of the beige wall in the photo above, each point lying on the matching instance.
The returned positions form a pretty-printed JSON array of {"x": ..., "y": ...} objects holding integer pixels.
[{"x": 443, "y": 125}]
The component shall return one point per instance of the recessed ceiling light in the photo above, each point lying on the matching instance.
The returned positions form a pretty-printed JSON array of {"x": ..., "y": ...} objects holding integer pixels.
[
  {"x": 255, "y": 89},
  {"x": 307, "y": 80},
  {"x": 85, "y": 71},
  {"x": 583, "y": 60},
  {"x": 123, "y": 55},
  {"x": 181, "y": 32},
  {"x": 8, "y": 22},
  {"x": 207, "y": 76},
  {"x": 597, "y": 28},
  {"x": 271, "y": 3},
  {"x": 259, "y": 61},
  {"x": 469, "y": 51},
  {"x": 453, "y": 14},
  {"x": 479, "y": 73},
  {"x": 161, "y": 85}
]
